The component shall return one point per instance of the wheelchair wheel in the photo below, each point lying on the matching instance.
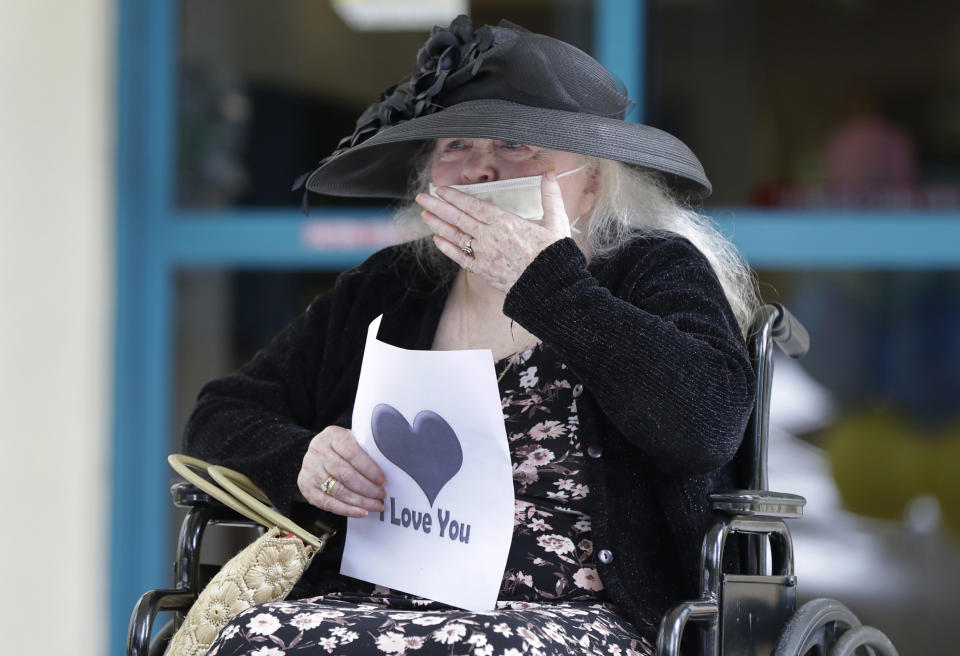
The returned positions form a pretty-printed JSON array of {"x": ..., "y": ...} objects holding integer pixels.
[
  {"x": 815, "y": 628},
  {"x": 864, "y": 636}
]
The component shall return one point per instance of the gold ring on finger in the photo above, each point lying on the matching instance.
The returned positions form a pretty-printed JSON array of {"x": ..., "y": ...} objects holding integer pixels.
[
  {"x": 467, "y": 248},
  {"x": 328, "y": 485}
]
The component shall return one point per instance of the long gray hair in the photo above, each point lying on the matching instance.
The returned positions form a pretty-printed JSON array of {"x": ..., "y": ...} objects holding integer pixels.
[{"x": 630, "y": 203}]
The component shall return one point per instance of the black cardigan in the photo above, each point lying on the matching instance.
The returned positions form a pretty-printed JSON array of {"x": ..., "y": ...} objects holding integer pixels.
[{"x": 668, "y": 388}]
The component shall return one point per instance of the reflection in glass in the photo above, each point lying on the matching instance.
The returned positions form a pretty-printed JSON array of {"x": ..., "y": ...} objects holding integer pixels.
[
  {"x": 813, "y": 105},
  {"x": 266, "y": 89},
  {"x": 225, "y": 316}
]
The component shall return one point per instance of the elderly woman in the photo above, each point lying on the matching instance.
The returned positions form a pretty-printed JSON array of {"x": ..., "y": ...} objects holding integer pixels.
[{"x": 616, "y": 316}]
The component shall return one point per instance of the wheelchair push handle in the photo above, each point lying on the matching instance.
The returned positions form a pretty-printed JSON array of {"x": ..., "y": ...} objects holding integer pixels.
[{"x": 789, "y": 333}]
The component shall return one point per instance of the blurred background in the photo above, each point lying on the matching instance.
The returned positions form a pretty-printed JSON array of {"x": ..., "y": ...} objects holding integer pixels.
[{"x": 150, "y": 242}]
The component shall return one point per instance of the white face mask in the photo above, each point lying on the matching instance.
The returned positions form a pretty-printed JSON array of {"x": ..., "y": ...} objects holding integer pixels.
[{"x": 520, "y": 196}]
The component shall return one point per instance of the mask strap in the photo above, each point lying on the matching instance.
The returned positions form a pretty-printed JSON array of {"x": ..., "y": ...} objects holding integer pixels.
[
  {"x": 573, "y": 228},
  {"x": 573, "y": 225},
  {"x": 571, "y": 172}
]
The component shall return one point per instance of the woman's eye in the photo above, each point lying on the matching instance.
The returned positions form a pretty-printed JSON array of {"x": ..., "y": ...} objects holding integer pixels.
[
  {"x": 456, "y": 145},
  {"x": 513, "y": 145}
]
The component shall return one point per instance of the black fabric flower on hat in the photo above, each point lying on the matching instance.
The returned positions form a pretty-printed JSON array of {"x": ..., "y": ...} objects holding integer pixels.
[
  {"x": 455, "y": 49},
  {"x": 449, "y": 50},
  {"x": 450, "y": 57}
]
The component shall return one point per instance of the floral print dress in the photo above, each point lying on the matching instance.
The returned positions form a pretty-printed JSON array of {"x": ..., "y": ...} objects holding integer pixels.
[{"x": 551, "y": 598}]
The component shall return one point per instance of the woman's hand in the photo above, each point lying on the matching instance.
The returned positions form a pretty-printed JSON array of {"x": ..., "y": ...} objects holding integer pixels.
[
  {"x": 503, "y": 244},
  {"x": 358, "y": 481}
]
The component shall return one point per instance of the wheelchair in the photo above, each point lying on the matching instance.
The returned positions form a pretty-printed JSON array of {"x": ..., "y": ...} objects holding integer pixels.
[{"x": 748, "y": 611}]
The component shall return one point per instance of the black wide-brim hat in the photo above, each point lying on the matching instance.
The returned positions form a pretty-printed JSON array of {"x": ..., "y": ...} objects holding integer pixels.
[{"x": 499, "y": 82}]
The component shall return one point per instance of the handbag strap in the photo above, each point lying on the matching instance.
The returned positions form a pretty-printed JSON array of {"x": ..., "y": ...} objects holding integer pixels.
[
  {"x": 239, "y": 493},
  {"x": 245, "y": 490}
]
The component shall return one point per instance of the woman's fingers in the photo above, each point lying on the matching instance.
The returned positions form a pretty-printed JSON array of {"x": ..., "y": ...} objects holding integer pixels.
[
  {"x": 350, "y": 480},
  {"x": 443, "y": 229},
  {"x": 357, "y": 485},
  {"x": 554, "y": 212},
  {"x": 323, "y": 501},
  {"x": 502, "y": 244},
  {"x": 343, "y": 491},
  {"x": 455, "y": 253},
  {"x": 464, "y": 212},
  {"x": 471, "y": 209},
  {"x": 310, "y": 481},
  {"x": 345, "y": 445},
  {"x": 451, "y": 241}
]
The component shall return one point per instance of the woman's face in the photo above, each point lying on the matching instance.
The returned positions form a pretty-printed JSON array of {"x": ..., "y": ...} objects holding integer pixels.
[{"x": 469, "y": 161}]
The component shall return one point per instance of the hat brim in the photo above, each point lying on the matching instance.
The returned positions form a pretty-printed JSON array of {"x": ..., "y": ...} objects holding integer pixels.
[{"x": 381, "y": 166}]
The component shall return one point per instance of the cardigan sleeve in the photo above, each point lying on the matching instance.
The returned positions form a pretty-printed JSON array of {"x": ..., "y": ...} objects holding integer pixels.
[
  {"x": 658, "y": 348},
  {"x": 256, "y": 420}
]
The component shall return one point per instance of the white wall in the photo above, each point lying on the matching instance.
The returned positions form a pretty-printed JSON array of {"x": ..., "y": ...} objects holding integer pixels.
[{"x": 56, "y": 253}]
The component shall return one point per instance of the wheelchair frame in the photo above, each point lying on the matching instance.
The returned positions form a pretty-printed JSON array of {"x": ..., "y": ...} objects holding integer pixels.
[
  {"x": 753, "y": 612},
  {"x": 749, "y": 612}
]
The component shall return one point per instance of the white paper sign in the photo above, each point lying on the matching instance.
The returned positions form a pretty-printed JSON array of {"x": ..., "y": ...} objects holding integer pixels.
[{"x": 433, "y": 422}]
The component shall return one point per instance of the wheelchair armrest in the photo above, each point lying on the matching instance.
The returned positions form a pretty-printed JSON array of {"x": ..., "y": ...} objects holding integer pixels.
[
  {"x": 758, "y": 503},
  {"x": 145, "y": 612}
]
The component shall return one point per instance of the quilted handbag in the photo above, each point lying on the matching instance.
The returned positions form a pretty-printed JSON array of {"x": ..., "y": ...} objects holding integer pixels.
[{"x": 265, "y": 570}]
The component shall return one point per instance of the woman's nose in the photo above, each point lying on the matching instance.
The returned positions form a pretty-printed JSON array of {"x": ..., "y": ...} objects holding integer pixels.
[{"x": 480, "y": 166}]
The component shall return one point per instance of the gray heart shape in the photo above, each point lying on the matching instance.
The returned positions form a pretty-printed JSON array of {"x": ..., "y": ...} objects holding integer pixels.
[{"x": 429, "y": 451}]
